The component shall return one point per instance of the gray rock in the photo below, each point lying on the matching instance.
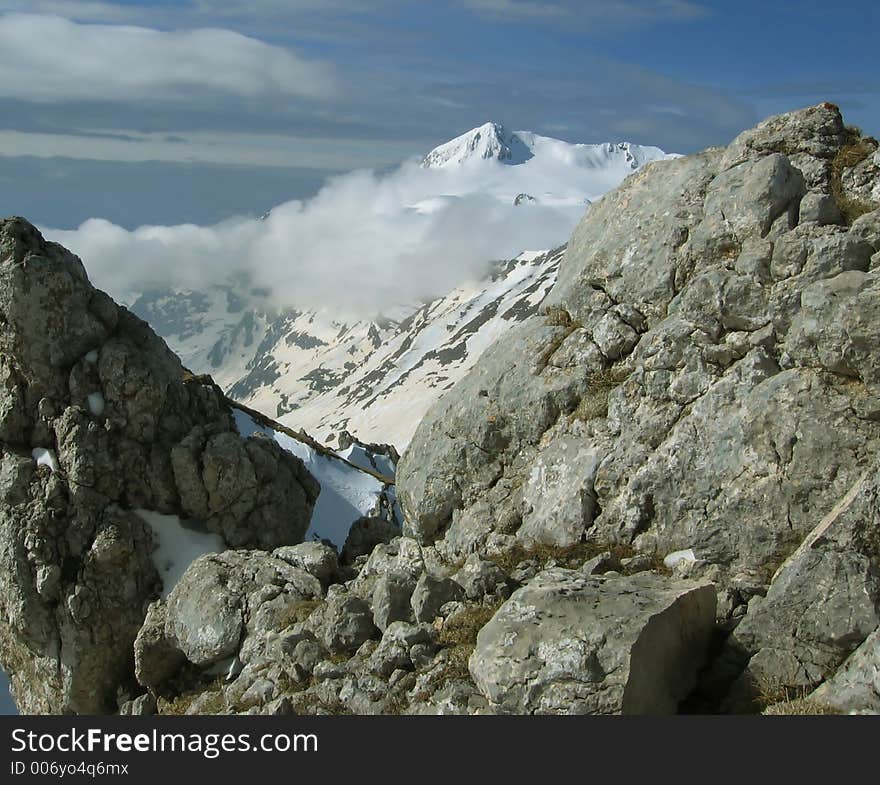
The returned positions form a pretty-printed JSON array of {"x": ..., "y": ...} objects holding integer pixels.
[
  {"x": 867, "y": 227},
  {"x": 156, "y": 658},
  {"x": 464, "y": 444},
  {"x": 391, "y": 600},
  {"x": 836, "y": 328},
  {"x": 815, "y": 614},
  {"x": 431, "y": 593},
  {"x": 480, "y": 577},
  {"x": 598, "y": 564},
  {"x": 307, "y": 654},
  {"x": 346, "y": 623},
  {"x": 747, "y": 198},
  {"x": 633, "y": 564},
  {"x": 735, "y": 420},
  {"x": 365, "y": 534},
  {"x": 314, "y": 557},
  {"x": 816, "y": 132},
  {"x": 238, "y": 603},
  {"x": 204, "y": 615},
  {"x": 570, "y": 644},
  {"x": 559, "y": 501},
  {"x": 855, "y": 687},
  {"x": 76, "y": 574},
  {"x": 822, "y": 604},
  {"x": 393, "y": 651},
  {"x": 402, "y": 556},
  {"x": 820, "y": 208},
  {"x": 142, "y": 706},
  {"x": 252, "y": 492}
]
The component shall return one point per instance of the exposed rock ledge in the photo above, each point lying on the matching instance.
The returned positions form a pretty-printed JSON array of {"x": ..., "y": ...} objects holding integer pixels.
[{"x": 660, "y": 495}]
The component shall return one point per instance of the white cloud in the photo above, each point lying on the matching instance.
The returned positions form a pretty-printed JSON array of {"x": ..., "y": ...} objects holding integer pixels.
[
  {"x": 363, "y": 245},
  {"x": 82, "y": 10},
  {"x": 49, "y": 58},
  {"x": 251, "y": 149}
]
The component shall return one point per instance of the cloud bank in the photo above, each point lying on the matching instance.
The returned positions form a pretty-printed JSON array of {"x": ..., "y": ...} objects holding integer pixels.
[
  {"x": 49, "y": 58},
  {"x": 363, "y": 245}
]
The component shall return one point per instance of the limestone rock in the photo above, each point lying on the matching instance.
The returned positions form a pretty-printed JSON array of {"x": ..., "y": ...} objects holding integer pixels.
[
  {"x": 365, "y": 534},
  {"x": 431, "y": 594},
  {"x": 823, "y": 603},
  {"x": 156, "y": 658},
  {"x": 314, "y": 557},
  {"x": 345, "y": 623},
  {"x": 855, "y": 687},
  {"x": 570, "y": 644},
  {"x": 481, "y": 577},
  {"x": 98, "y": 418},
  {"x": 204, "y": 617},
  {"x": 391, "y": 600}
]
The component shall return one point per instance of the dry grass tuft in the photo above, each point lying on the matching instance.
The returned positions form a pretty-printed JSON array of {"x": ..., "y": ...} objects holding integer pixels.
[
  {"x": 856, "y": 149},
  {"x": 214, "y": 704},
  {"x": 557, "y": 317},
  {"x": 459, "y": 636},
  {"x": 798, "y": 707},
  {"x": 594, "y": 403},
  {"x": 297, "y": 612},
  {"x": 777, "y": 699},
  {"x": 571, "y": 556}
]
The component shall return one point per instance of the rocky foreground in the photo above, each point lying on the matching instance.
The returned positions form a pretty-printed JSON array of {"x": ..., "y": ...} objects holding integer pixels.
[{"x": 659, "y": 495}]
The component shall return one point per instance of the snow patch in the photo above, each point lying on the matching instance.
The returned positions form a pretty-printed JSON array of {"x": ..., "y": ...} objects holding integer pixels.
[
  {"x": 96, "y": 403},
  {"x": 359, "y": 456},
  {"x": 92, "y": 356},
  {"x": 179, "y": 543},
  {"x": 346, "y": 493},
  {"x": 45, "y": 457},
  {"x": 675, "y": 558}
]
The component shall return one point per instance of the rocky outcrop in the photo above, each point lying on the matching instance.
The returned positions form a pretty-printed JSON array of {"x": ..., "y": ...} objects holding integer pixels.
[
  {"x": 702, "y": 378},
  {"x": 823, "y": 603},
  {"x": 97, "y": 420},
  {"x": 703, "y": 381}
]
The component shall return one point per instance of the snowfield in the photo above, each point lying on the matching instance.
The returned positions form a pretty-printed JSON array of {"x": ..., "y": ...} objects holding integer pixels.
[{"x": 347, "y": 493}]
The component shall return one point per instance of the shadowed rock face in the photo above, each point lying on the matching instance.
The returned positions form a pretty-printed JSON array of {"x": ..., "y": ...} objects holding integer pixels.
[{"x": 92, "y": 392}]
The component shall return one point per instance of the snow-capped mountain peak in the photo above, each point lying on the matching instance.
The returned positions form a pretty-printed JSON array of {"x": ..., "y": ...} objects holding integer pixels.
[
  {"x": 376, "y": 378},
  {"x": 490, "y": 141},
  {"x": 493, "y": 142}
]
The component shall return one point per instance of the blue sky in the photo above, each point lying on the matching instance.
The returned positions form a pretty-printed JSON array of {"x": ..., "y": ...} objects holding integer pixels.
[{"x": 224, "y": 107}]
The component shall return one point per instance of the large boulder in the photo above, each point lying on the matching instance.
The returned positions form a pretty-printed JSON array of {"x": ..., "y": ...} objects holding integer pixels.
[
  {"x": 98, "y": 419},
  {"x": 230, "y": 604},
  {"x": 573, "y": 644}
]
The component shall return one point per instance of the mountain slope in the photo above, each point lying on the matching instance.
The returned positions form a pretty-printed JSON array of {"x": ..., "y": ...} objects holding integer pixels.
[{"x": 375, "y": 378}]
